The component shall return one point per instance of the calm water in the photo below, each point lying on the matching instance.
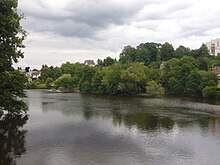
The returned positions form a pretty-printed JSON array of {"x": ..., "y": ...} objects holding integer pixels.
[{"x": 75, "y": 129}]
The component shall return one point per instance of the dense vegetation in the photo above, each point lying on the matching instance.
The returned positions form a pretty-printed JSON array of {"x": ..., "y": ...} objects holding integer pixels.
[
  {"x": 11, "y": 37},
  {"x": 150, "y": 68}
]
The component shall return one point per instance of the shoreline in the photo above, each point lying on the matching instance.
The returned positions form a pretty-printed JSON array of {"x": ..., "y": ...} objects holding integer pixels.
[{"x": 141, "y": 95}]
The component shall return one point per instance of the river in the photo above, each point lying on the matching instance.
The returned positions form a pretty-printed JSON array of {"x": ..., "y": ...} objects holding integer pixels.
[{"x": 78, "y": 129}]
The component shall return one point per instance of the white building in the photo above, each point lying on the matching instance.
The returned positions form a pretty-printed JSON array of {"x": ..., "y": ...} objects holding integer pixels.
[{"x": 214, "y": 46}]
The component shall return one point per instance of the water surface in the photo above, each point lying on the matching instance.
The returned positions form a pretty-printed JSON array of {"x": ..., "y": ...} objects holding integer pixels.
[{"x": 76, "y": 129}]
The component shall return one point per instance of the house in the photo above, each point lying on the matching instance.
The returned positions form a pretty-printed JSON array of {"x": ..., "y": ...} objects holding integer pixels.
[
  {"x": 89, "y": 62},
  {"x": 217, "y": 71},
  {"x": 35, "y": 75},
  {"x": 31, "y": 75},
  {"x": 214, "y": 46}
]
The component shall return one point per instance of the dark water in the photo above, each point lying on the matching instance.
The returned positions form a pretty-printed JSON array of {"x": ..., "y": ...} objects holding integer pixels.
[{"x": 66, "y": 129}]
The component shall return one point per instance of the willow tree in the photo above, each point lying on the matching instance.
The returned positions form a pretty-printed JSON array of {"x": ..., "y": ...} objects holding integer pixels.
[{"x": 11, "y": 43}]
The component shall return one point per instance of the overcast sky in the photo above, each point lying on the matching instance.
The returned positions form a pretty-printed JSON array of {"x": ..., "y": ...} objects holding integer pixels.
[{"x": 76, "y": 30}]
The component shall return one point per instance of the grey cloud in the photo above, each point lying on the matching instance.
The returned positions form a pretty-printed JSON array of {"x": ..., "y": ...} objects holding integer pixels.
[{"x": 79, "y": 18}]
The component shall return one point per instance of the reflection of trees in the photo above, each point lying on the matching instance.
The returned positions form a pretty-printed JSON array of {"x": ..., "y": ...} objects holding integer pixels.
[
  {"x": 210, "y": 124},
  {"x": 87, "y": 112},
  {"x": 143, "y": 121},
  {"x": 12, "y": 139}
]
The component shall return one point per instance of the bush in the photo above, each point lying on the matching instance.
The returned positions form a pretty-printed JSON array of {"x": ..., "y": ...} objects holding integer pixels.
[
  {"x": 154, "y": 89},
  {"x": 209, "y": 92}
]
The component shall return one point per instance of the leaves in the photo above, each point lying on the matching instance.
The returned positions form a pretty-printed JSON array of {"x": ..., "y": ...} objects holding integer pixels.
[{"x": 11, "y": 38}]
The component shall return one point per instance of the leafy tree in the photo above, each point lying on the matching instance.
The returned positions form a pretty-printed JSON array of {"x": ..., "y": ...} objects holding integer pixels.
[
  {"x": 50, "y": 72},
  {"x": 154, "y": 89},
  {"x": 167, "y": 51},
  {"x": 112, "y": 78},
  {"x": 99, "y": 62},
  {"x": 209, "y": 92},
  {"x": 73, "y": 69},
  {"x": 66, "y": 81},
  {"x": 108, "y": 61},
  {"x": 203, "y": 51},
  {"x": 176, "y": 74},
  {"x": 208, "y": 79},
  {"x": 132, "y": 79},
  {"x": 127, "y": 55},
  {"x": 85, "y": 83},
  {"x": 49, "y": 82},
  {"x": 203, "y": 63},
  {"x": 11, "y": 38},
  {"x": 142, "y": 55},
  {"x": 97, "y": 85},
  {"x": 153, "y": 49},
  {"x": 182, "y": 51},
  {"x": 193, "y": 83}
]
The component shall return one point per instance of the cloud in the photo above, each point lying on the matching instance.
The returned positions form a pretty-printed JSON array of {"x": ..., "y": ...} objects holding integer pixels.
[
  {"x": 97, "y": 29},
  {"x": 77, "y": 18}
]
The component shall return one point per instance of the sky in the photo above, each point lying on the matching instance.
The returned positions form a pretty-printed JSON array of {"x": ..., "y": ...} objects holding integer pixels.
[{"x": 78, "y": 30}]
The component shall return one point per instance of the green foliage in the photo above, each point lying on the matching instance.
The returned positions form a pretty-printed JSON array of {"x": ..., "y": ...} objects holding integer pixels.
[
  {"x": 49, "y": 82},
  {"x": 186, "y": 74},
  {"x": 85, "y": 83},
  {"x": 208, "y": 79},
  {"x": 177, "y": 73},
  {"x": 167, "y": 51},
  {"x": 112, "y": 78},
  {"x": 50, "y": 72},
  {"x": 182, "y": 51},
  {"x": 11, "y": 87},
  {"x": 132, "y": 79},
  {"x": 209, "y": 92},
  {"x": 97, "y": 85},
  {"x": 106, "y": 62},
  {"x": 203, "y": 63},
  {"x": 11, "y": 38},
  {"x": 127, "y": 55},
  {"x": 154, "y": 89},
  {"x": 66, "y": 81}
]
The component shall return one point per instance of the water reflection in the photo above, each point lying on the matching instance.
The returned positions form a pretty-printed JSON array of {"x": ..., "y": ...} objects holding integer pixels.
[
  {"x": 143, "y": 121},
  {"x": 84, "y": 129},
  {"x": 12, "y": 138}
]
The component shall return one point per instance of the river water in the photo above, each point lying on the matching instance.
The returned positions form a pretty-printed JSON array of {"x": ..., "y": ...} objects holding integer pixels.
[{"x": 77, "y": 129}]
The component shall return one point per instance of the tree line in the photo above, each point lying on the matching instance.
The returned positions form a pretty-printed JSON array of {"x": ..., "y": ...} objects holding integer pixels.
[{"x": 150, "y": 68}]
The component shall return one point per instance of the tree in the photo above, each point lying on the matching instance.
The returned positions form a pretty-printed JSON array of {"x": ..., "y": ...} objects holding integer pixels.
[
  {"x": 209, "y": 92},
  {"x": 167, "y": 51},
  {"x": 203, "y": 63},
  {"x": 108, "y": 61},
  {"x": 111, "y": 79},
  {"x": 154, "y": 89},
  {"x": 49, "y": 82},
  {"x": 181, "y": 51},
  {"x": 177, "y": 73},
  {"x": 11, "y": 37},
  {"x": 132, "y": 79},
  {"x": 66, "y": 81},
  {"x": 85, "y": 82},
  {"x": 153, "y": 49},
  {"x": 201, "y": 52},
  {"x": 127, "y": 55}
]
